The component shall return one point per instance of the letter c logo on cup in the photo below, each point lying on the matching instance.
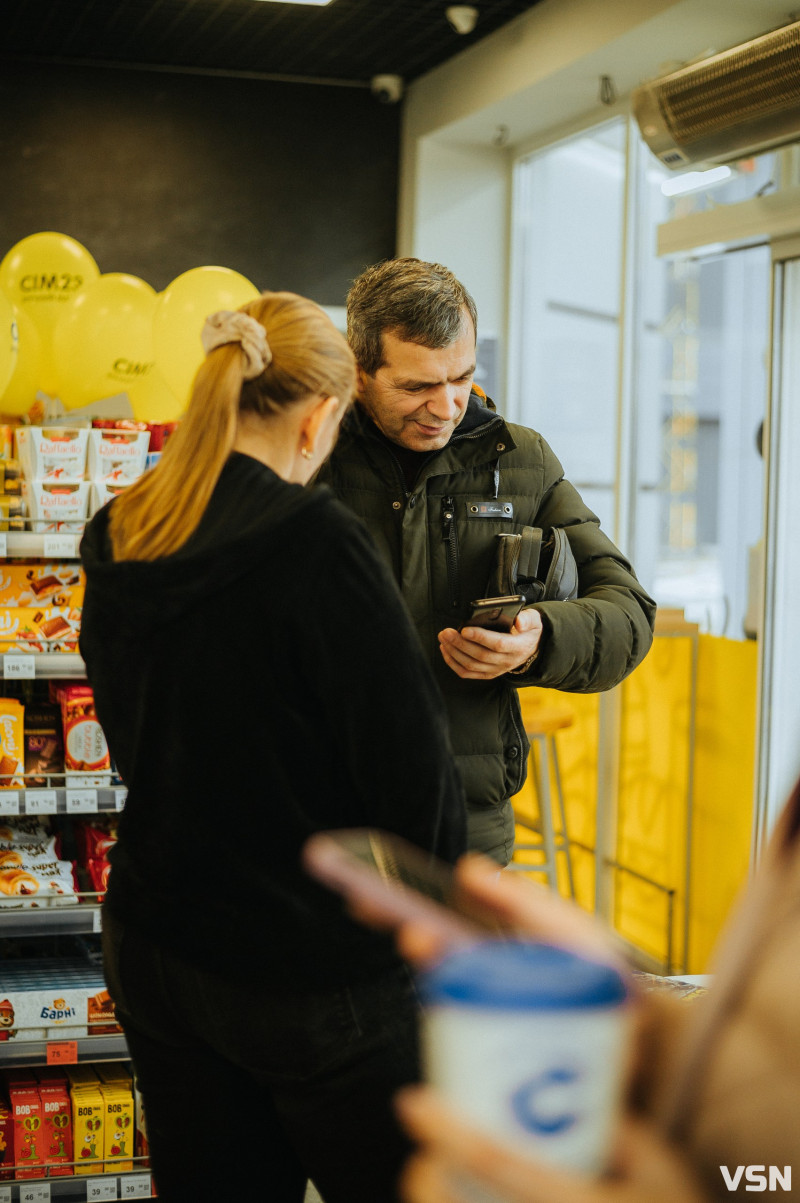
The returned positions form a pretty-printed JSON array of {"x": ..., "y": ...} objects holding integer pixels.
[{"x": 529, "y": 1103}]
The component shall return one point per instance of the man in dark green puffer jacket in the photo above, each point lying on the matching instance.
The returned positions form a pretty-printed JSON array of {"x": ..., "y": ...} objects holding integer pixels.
[{"x": 435, "y": 474}]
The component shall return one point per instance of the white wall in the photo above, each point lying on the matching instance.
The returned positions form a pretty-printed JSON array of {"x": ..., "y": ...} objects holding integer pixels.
[{"x": 533, "y": 79}]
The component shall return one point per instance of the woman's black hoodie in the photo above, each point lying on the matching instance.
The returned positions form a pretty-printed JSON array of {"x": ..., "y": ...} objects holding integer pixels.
[{"x": 261, "y": 684}]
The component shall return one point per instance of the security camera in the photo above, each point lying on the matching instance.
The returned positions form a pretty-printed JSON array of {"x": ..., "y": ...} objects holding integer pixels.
[
  {"x": 462, "y": 17},
  {"x": 387, "y": 88}
]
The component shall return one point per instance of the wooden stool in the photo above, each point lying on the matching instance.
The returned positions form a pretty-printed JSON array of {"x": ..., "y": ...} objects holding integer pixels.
[{"x": 541, "y": 724}]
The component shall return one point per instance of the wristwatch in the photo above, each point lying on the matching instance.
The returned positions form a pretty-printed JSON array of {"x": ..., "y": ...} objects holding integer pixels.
[{"x": 523, "y": 668}]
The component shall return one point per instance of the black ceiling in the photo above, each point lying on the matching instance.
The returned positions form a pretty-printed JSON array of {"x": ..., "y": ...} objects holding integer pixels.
[{"x": 346, "y": 41}]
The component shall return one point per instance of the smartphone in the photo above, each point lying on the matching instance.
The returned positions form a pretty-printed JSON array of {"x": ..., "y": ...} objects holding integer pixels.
[
  {"x": 397, "y": 881},
  {"x": 495, "y": 613}
]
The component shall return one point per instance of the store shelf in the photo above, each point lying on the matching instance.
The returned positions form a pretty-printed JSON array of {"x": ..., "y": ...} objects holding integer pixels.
[
  {"x": 27, "y": 544},
  {"x": 72, "y": 920},
  {"x": 62, "y": 799},
  {"x": 58, "y": 665},
  {"x": 91, "y": 1188},
  {"x": 18, "y": 1052}
]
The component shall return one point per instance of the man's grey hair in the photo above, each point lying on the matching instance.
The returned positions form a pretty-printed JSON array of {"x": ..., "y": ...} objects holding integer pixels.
[{"x": 417, "y": 301}]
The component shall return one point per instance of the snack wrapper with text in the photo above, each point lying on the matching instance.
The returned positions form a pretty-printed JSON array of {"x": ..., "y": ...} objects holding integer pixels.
[
  {"x": 39, "y": 628},
  {"x": 37, "y": 583},
  {"x": 12, "y": 743},
  {"x": 85, "y": 747}
]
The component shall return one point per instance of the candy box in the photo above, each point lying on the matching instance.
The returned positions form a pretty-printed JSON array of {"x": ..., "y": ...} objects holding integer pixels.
[
  {"x": 104, "y": 491},
  {"x": 57, "y": 1122},
  {"x": 119, "y": 1125},
  {"x": 142, "y": 1144},
  {"x": 26, "y": 1109},
  {"x": 100, "y": 1015},
  {"x": 88, "y": 1110},
  {"x": 56, "y": 505},
  {"x": 117, "y": 455},
  {"x": 12, "y": 743},
  {"x": 48, "y": 453}
]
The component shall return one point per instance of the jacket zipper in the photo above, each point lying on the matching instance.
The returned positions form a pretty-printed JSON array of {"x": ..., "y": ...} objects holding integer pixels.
[{"x": 450, "y": 538}]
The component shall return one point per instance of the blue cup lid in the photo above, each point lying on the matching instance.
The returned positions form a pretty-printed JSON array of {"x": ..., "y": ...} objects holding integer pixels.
[{"x": 518, "y": 974}]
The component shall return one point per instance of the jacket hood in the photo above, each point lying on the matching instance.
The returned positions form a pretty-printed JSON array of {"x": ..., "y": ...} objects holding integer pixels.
[{"x": 250, "y": 515}]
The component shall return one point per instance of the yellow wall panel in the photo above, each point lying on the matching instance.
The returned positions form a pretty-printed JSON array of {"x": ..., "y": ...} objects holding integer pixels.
[
  {"x": 661, "y": 761},
  {"x": 723, "y": 786},
  {"x": 653, "y": 788}
]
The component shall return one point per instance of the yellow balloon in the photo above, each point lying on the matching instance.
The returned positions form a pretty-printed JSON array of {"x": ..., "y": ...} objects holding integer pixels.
[
  {"x": 20, "y": 392},
  {"x": 182, "y": 309},
  {"x": 103, "y": 342},
  {"x": 41, "y": 275},
  {"x": 155, "y": 401},
  {"x": 9, "y": 339}
]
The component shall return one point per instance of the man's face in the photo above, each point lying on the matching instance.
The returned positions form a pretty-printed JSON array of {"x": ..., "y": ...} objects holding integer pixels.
[{"x": 418, "y": 396}]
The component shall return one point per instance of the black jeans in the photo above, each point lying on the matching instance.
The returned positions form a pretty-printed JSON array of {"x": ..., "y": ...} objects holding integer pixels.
[{"x": 249, "y": 1092}]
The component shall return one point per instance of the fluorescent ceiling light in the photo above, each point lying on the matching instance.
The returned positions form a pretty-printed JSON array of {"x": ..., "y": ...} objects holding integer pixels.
[{"x": 695, "y": 181}]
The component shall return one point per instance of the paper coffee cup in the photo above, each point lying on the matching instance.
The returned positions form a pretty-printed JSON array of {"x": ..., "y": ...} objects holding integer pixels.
[{"x": 529, "y": 1042}]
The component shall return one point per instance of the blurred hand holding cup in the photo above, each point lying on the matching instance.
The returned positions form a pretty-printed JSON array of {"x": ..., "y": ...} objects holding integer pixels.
[{"x": 530, "y": 1042}]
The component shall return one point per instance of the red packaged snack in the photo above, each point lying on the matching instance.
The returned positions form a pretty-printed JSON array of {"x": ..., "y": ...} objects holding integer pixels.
[
  {"x": 85, "y": 747},
  {"x": 56, "y": 1121},
  {"x": 98, "y": 870},
  {"x": 6, "y": 1141},
  {"x": 26, "y": 1108}
]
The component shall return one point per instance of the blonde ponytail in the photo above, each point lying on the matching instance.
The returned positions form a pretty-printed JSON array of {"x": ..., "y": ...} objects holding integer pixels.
[{"x": 158, "y": 513}]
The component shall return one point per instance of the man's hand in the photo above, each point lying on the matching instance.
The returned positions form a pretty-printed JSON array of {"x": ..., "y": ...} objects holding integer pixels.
[{"x": 480, "y": 655}]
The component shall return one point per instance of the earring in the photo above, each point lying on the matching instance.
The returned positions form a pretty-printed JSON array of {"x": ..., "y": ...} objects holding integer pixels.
[{"x": 304, "y": 451}]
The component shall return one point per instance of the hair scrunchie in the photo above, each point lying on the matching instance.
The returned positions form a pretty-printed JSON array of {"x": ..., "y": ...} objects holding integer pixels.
[{"x": 228, "y": 326}]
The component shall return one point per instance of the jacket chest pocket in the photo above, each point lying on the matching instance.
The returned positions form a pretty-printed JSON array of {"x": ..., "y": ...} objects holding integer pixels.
[{"x": 467, "y": 529}]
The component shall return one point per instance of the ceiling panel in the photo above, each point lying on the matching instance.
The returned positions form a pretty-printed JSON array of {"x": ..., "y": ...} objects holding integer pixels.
[{"x": 347, "y": 41}]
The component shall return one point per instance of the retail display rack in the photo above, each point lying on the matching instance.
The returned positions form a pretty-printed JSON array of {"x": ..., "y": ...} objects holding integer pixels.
[{"x": 73, "y": 794}]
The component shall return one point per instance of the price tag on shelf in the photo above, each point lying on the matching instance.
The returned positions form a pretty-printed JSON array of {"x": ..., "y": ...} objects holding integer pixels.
[
  {"x": 3, "y": 553},
  {"x": 19, "y": 667},
  {"x": 135, "y": 1186},
  {"x": 60, "y": 547},
  {"x": 104, "y": 1188},
  {"x": 86, "y": 780},
  {"x": 38, "y": 1193},
  {"x": 9, "y": 805},
  {"x": 5, "y": 1194},
  {"x": 41, "y": 802},
  {"x": 120, "y": 796},
  {"x": 62, "y": 1052},
  {"x": 81, "y": 801},
  {"x": 97, "y": 921}
]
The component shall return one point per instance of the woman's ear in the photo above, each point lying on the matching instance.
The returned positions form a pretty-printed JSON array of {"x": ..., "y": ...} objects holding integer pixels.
[{"x": 316, "y": 425}]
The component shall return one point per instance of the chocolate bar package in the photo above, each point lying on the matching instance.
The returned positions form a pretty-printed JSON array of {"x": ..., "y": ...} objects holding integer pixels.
[
  {"x": 44, "y": 744},
  {"x": 38, "y": 583},
  {"x": 12, "y": 741},
  {"x": 39, "y": 628}
]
